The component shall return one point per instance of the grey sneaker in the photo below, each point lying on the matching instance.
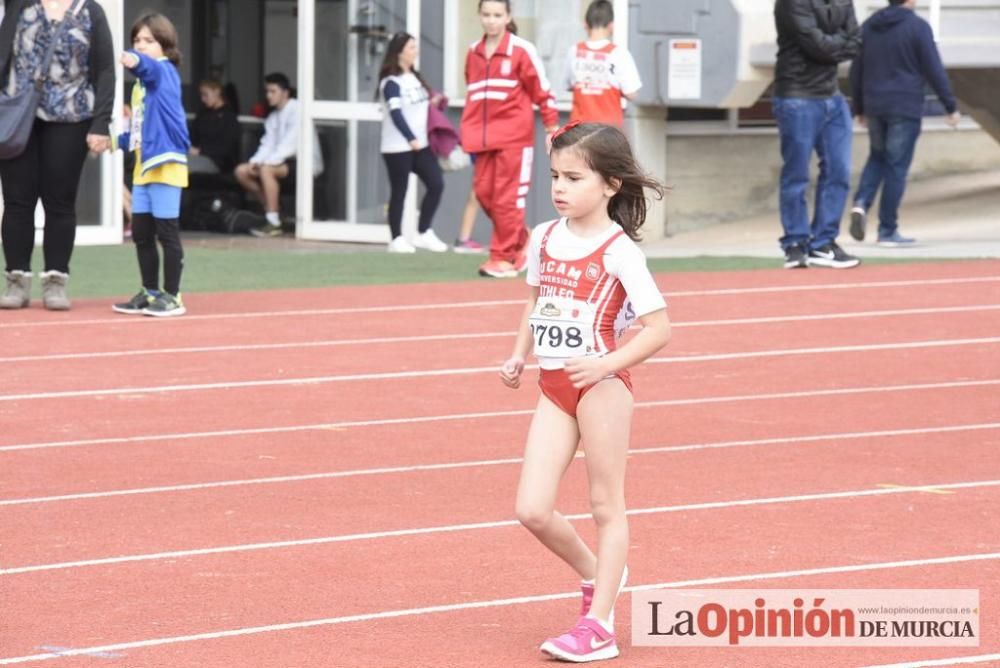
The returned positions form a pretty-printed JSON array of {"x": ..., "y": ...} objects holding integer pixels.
[
  {"x": 54, "y": 290},
  {"x": 165, "y": 306},
  {"x": 18, "y": 292},
  {"x": 137, "y": 304}
]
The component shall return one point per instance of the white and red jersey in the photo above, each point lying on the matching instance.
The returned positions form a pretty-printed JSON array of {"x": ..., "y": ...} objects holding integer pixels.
[
  {"x": 600, "y": 74},
  {"x": 590, "y": 290},
  {"x": 500, "y": 93}
]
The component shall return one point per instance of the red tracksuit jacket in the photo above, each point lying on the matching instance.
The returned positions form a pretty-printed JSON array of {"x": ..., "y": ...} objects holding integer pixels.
[{"x": 501, "y": 90}]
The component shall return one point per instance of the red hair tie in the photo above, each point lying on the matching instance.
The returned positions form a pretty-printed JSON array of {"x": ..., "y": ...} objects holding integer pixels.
[{"x": 569, "y": 126}]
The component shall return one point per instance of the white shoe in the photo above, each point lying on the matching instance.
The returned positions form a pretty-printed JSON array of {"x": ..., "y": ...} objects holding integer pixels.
[
  {"x": 429, "y": 241},
  {"x": 401, "y": 245}
]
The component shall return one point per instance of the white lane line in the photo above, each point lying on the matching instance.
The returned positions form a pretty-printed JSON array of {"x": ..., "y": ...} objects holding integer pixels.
[
  {"x": 335, "y": 426},
  {"x": 501, "y": 302},
  {"x": 497, "y": 603},
  {"x": 483, "y": 335},
  {"x": 306, "y": 477},
  {"x": 951, "y": 661},
  {"x": 375, "y": 535},
  {"x": 465, "y": 371}
]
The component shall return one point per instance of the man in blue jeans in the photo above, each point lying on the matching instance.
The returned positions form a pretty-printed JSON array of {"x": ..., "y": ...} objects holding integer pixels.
[
  {"x": 897, "y": 56},
  {"x": 813, "y": 37}
]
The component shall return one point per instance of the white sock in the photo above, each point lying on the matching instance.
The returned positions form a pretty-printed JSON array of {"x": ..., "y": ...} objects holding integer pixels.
[
  {"x": 590, "y": 582},
  {"x": 272, "y": 218},
  {"x": 604, "y": 624}
]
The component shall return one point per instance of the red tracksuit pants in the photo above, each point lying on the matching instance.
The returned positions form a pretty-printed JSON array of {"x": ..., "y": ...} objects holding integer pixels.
[{"x": 501, "y": 183}]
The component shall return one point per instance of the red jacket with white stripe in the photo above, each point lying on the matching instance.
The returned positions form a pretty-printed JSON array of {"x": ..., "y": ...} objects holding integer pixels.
[{"x": 501, "y": 90}]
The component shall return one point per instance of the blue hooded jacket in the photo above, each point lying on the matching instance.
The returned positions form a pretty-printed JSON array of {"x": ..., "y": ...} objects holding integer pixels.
[
  {"x": 164, "y": 125},
  {"x": 898, "y": 55}
]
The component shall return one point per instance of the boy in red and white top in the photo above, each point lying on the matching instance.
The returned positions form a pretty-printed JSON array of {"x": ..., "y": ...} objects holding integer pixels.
[
  {"x": 601, "y": 74},
  {"x": 505, "y": 77},
  {"x": 588, "y": 282}
]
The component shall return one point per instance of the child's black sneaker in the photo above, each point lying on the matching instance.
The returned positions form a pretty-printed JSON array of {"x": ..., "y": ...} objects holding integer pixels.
[
  {"x": 165, "y": 306},
  {"x": 137, "y": 304}
]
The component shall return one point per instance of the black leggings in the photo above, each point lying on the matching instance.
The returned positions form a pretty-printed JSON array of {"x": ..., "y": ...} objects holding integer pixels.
[
  {"x": 49, "y": 169},
  {"x": 145, "y": 231},
  {"x": 424, "y": 165}
]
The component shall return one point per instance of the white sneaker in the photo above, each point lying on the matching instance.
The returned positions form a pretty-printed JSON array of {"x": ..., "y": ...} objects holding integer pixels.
[
  {"x": 401, "y": 245},
  {"x": 429, "y": 241}
]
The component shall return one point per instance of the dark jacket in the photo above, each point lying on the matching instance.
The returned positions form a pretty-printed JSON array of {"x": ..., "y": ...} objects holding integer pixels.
[
  {"x": 898, "y": 55},
  {"x": 813, "y": 36},
  {"x": 216, "y": 133},
  {"x": 101, "y": 59}
]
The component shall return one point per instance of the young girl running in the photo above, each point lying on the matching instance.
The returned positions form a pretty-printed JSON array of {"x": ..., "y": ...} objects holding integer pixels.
[
  {"x": 505, "y": 77},
  {"x": 589, "y": 282},
  {"x": 158, "y": 135}
]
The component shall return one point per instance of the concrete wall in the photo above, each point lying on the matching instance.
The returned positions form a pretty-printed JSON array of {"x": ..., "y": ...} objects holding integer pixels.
[{"x": 721, "y": 178}]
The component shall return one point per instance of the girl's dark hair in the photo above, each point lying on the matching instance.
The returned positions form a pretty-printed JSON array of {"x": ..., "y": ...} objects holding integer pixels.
[
  {"x": 163, "y": 32},
  {"x": 511, "y": 27},
  {"x": 607, "y": 152},
  {"x": 390, "y": 63}
]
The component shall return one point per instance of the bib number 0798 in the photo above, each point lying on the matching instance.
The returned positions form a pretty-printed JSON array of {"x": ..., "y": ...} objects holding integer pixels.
[{"x": 556, "y": 336}]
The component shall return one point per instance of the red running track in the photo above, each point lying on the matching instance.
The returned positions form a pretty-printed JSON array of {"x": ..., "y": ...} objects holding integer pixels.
[{"x": 753, "y": 461}]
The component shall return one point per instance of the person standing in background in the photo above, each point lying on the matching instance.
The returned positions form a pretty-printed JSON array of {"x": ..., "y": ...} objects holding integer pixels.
[
  {"x": 601, "y": 74},
  {"x": 812, "y": 115},
  {"x": 898, "y": 55},
  {"x": 505, "y": 78},
  {"x": 405, "y": 148},
  {"x": 73, "y": 115}
]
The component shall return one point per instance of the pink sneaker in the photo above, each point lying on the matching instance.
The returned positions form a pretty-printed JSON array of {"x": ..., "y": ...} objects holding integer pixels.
[
  {"x": 468, "y": 246},
  {"x": 587, "y": 641},
  {"x": 498, "y": 269},
  {"x": 587, "y": 589}
]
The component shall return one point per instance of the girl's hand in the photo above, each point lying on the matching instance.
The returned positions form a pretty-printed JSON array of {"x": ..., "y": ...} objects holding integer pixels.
[
  {"x": 584, "y": 371},
  {"x": 510, "y": 372},
  {"x": 130, "y": 60},
  {"x": 414, "y": 145}
]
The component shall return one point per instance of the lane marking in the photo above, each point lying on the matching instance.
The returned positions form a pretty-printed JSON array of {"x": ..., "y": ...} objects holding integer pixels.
[
  {"x": 494, "y": 414},
  {"x": 480, "y": 335},
  {"x": 305, "y": 477},
  {"x": 506, "y": 302},
  {"x": 521, "y": 600},
  {"x": 929, "y": 663},
  {"x": 475, "y": 526},
  {"x": 465, "y": 371},
  {"x": 928, "y": 490}
]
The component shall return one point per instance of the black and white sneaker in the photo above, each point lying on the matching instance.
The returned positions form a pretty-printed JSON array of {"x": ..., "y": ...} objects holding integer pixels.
[
  {"x": 833, "y": 256},
  {"x": 795, "y": 258},
  {"x": 858, "y": 219}
]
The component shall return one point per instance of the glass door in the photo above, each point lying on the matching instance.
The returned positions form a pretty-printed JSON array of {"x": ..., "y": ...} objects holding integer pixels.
[{"x": 341, "y": 45}]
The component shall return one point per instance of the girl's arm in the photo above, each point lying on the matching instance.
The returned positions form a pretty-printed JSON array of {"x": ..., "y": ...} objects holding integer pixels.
[
  {"x": 655, "y": 334},
  {"x": 148, "y": 71},
  {"x": 510, "y": 372},
  {"x": 537, "y": 87}
]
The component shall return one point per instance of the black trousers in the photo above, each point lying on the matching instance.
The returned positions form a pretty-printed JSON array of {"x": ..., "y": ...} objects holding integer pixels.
[
  {"x": 426, "y": 167},
  {"x": 49, "y": 169},
  {"x": 146, "y": 230}
]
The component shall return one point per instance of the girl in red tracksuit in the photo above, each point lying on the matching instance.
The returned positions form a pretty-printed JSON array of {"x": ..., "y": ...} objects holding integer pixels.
[{"x": 505, "y": 77}]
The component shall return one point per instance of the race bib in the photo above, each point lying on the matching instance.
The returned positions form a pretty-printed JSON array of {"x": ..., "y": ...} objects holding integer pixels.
[{"x": 562, "y": 328}]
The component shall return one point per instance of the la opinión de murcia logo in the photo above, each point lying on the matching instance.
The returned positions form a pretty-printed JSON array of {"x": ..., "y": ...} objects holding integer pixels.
[{"x": 789, "y": 617}]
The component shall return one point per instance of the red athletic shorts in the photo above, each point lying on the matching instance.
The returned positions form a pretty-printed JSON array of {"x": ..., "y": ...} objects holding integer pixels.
[{"x": 556, "y": 386}]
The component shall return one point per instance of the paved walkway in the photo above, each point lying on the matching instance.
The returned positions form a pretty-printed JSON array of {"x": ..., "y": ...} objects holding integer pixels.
[{"x": 950, "y": 216}]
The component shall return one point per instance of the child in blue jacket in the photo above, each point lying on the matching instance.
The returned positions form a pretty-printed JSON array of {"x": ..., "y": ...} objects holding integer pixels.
[{"x": 158, "y": 136}]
